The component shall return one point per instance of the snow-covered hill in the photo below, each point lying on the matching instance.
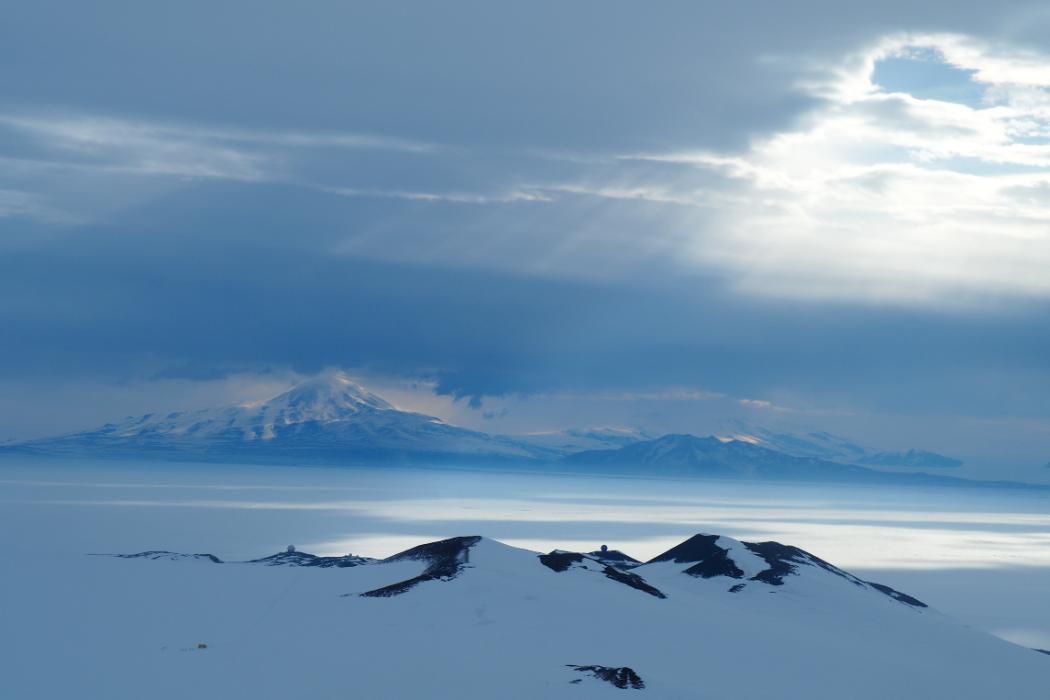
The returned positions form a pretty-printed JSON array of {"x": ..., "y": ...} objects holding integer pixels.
[
  {"x": 471, "y": 618},
  {"x": 327, "y": 418}
]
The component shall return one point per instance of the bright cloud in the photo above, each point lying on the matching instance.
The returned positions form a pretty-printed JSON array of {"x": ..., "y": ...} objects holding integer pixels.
[
  {"x": 880, "y": 194},
  {"x": 885, "y": 196}
]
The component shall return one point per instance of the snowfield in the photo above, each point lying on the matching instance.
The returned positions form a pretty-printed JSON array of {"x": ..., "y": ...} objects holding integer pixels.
[{"x": 474, "y": 618}]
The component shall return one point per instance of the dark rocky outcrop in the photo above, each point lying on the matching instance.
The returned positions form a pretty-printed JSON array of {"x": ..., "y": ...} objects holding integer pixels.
[
  {"x": 562, "y": 561},
  {"x": 445, "y": 558},
  {"x": 633, "y": 580},
  {"x": 614, "y": 557},
  {"x": 293, "y": 558},
  {"x": 710, "y": 559},
  {"x": 159, "y": 554},
  {"x": 621, "y": 676},
  {"x": 898, "y": 596}
]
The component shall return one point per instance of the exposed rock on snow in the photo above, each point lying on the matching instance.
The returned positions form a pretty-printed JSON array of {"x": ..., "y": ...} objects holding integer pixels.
[
  {"x": 708, "y": 559},
  {"x": 167, "y": 556},
  {"x": 560, "y": 561},
  {"x": 897, "y": 595},
  {"x": 633, "y": 580},
  {"x": 482, "y": 619},
  {"x": 708, "y": 556},
  {"x": 445, "y": 559},
  {"x": 711, "y": 556},
  {"x": 293, "y": 558},
  {"x": 286, "y": 558},
  {"x": 621, "y": 677},
  {"x": 614, "y": 557},
  {"x": 784, "y": 560}
]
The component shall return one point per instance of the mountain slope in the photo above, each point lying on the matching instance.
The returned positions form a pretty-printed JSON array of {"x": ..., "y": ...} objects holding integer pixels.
[
  {"x": 714, "y": 457},
  {"x": 471, "y": 618},
  {"x": 326, "y": 419},
  {"x": 719, "y": 458},
  {"x": 572, "y": 440},
  {"x": 920, "y": 459},
  {"x": 823, "y": 445},
  {"x": 332, "y": 420}
]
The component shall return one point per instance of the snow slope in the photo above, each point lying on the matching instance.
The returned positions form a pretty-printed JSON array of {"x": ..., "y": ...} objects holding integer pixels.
[
  {"x": 824, "y": 445},
  {"x": 326, "y": 419},
  {"x": 472, "y": 618},
  {"x": 578, "y": 439},
  {"x": 723, "y": 458}
]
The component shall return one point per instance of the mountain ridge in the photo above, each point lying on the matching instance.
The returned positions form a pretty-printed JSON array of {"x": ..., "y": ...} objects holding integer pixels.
[
  {"x": 721, "y": 458},
  {"x": 332, "y": 420},
  {"x": 473, "y": 617},
  {"x": 825, "y": 445}
]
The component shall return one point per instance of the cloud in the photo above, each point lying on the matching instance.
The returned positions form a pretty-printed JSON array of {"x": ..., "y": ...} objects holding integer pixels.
[
  {"x": 889, "y": 198},
  {"x": 191, "y": 150},
  {"x": 756, "y": 403},
  {"x": 16, "y": 203},
  {"x": 870, "y": 196},
  {"x": 450, "y": 197},
  {"x": 137, "y": 147},
  {"x": 540, "y": 208}
]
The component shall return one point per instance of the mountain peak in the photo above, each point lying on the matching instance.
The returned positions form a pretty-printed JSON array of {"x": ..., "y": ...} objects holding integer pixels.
[
  {"x": 328, "y": 396},
  {"x": 328, "y": 418}
]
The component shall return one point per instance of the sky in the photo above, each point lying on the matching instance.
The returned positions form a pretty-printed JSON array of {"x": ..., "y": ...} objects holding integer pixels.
[{"x": 812, "y": 215}]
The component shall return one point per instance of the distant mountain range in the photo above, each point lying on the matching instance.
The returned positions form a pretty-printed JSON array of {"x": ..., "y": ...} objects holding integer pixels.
[
  {"x": 723, "y": 458},
  {"x": 331, "y": 419},
  {"x": 836, "y": 449}
]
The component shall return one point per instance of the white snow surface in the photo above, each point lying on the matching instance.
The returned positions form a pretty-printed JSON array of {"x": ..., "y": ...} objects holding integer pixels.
[
  {"x": 505, "y": 627},
  {"x": 749, "y": 562}
]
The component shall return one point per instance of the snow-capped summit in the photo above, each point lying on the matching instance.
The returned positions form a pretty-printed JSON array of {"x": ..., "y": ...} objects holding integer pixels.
[
  {"x": 329, "y": 418},
  {"x": 329, "y": 396}
]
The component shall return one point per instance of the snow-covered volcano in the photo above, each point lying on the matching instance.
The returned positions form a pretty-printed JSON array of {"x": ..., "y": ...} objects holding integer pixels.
[
  {"x": 330, "y": 419},
  {"x": 327, "y": 418},
  {"x": 330, "y": 399},
  {"x": 469, "y": 617}
]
